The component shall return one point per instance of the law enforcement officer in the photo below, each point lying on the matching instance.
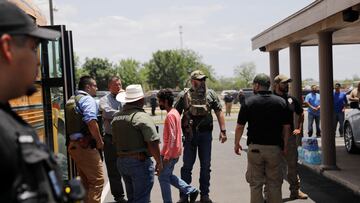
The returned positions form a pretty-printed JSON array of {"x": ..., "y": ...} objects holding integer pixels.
[
  {"x": 228, "y": 99},
  {"x": 281, "y": 88},
  {"x": 241, "y": 97},
  {"x": 27, "y": 165},
  {"x": 85, "y": 139},
  {"x": 268, "y": 132},
  {"x": 153, "y": 104},
  {"x": 196, "y": 104},
  {"x": 108, "y": 105},
  {"x": 136, "y": 140}
]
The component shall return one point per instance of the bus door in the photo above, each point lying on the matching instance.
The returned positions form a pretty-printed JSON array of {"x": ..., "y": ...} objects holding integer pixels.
[{"x": 58, "y": 84}]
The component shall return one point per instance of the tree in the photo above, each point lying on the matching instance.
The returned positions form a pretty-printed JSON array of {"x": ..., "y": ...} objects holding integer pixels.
[
  {"x": 172, "y": 68},
  {"x": 245, "y": 73},
  {"x": 308, "y": 82},
  {"x": 78, "y": 70},
  {"x": 100, "y": 69},
  {"x": 129, "y": 70},
  {"x": 356, "y": 77}
]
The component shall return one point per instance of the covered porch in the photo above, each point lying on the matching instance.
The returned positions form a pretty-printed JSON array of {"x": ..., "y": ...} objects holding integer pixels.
[{"x": 323, "y": 23}]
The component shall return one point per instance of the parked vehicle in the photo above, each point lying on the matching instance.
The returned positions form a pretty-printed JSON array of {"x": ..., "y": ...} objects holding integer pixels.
[
  {"x": 248, "y": 92},
  {"x": 100, "y": 94},
  {"x": 234, "y": 93},
  {"x": 351, "y": 129},
  {"x": 153, "y": 93}
]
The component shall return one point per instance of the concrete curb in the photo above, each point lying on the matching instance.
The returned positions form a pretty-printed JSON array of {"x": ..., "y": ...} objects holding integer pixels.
[{"x": 330, "y": 175}]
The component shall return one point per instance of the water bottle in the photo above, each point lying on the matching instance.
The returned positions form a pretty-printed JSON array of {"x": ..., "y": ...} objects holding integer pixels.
[
  {"x": 310, "y": 143},
  {"x": 301, "y": 152},
  {"x": 312, "y": 157}
]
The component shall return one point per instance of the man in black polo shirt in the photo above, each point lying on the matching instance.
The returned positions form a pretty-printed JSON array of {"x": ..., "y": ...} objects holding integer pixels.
[
  {"x": 281, "y": 89},
  {"x": 268, "y": 131}
]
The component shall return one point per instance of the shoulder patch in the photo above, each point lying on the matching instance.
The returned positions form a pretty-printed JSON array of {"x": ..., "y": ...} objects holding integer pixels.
[{"x": 290, "y": 100}]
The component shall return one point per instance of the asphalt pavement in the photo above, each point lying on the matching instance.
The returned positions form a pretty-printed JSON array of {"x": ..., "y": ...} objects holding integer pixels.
[{"x": 228, "y": 184}]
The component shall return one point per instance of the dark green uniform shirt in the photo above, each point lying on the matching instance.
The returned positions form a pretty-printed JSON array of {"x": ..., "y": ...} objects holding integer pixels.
[
  {"x": 131, "y": 129},
  {"x": 201, "y": 123}
]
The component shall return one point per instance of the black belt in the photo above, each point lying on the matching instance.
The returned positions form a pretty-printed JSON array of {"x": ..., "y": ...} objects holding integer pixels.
[{"x": 136, "y": 155}]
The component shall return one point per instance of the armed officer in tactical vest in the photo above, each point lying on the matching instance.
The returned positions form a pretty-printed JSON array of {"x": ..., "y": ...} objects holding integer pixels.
[
  {"x": 29, "y": 170},
  {"x": 136, "y": 140},
  {"x": 84, "y": 137},
  {"x": 195, "y": 104}
]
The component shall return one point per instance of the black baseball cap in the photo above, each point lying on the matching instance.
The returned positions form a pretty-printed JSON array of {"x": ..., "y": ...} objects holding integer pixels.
[
  {"x": 15, "y": 21},
  {"x": 262, "y": 79}
]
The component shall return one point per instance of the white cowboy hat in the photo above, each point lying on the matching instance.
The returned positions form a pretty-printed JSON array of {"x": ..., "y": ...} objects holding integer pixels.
[{"x": 132, "y": 94}]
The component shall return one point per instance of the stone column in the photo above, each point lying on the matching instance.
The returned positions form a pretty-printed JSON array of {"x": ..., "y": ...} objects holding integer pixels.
[
  {"x": 274, "y": 65},
  {"x": 326, "y": 101},
  {"x": 295, "y": 75},
  {"x": 295, "y": 70}
]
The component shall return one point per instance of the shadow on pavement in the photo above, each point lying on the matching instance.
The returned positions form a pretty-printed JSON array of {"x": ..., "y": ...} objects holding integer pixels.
[{"x": 321, "y": 189}]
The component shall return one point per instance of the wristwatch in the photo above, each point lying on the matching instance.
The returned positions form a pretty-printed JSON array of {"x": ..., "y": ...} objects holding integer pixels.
[{"x": 223, "y": 131}]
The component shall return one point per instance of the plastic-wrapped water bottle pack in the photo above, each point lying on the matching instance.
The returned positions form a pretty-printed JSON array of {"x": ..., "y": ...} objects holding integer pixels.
[{"x": 309, "y": 151}]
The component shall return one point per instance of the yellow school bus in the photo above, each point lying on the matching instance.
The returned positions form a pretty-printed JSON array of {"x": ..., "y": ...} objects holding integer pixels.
[
  {"x": 44, "y": 110},
  {"x": 30, "y": 108}
]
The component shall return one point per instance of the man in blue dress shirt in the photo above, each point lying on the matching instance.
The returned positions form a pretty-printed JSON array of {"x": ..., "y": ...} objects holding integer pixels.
[
  {"x": 312, "y": 100},
  {"x": 340, "y": 102}
]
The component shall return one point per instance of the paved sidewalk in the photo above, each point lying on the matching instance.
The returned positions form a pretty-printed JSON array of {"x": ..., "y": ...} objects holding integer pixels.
[
  {"x": 348, "y": 174},
  {"x": 349, "y": 164},
  {"x": 222, "y": 186}
]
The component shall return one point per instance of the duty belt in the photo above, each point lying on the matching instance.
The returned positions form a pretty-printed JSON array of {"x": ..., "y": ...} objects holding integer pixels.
[{"x": 135, "y": 155}]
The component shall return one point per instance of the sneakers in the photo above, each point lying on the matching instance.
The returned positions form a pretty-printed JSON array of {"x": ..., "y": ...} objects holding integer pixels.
[
  {"x": 121, "y": 200},
  {"x": 205, "y": 199},
  {"x": 298, "y": 195},
  {"x": 183, "y": 200},
  {"x": 193, "y": 196}
]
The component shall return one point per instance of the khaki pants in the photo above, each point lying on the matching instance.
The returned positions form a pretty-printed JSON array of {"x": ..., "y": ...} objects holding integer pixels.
[
  {"x": 264, "y": 167},
  {"x": 90, "y": 168},
  {"x": 228, "y": 106},
  {"x": 291, "y": 162}
]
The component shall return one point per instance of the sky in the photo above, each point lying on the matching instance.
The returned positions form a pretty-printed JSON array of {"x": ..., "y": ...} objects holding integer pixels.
[{"x": 219, "y": 31}]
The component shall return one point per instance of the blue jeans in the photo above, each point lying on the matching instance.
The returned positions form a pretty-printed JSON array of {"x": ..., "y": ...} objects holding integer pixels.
[
  {"x": 138, "y": 177},
  {"x": 200, "y": 142},
  {"x": 339, "y": 117},
  {"x": 167, "y": 178},
  {"x": 311, "y": 119}
]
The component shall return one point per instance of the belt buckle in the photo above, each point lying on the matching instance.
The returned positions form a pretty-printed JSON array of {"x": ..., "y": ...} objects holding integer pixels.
[{"x": 255, "y": 151}]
